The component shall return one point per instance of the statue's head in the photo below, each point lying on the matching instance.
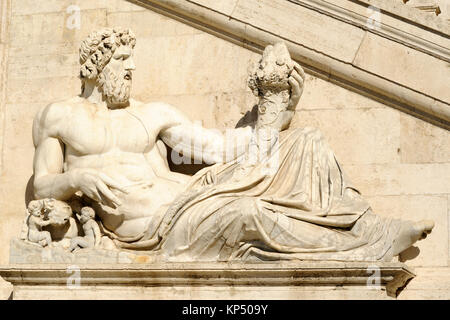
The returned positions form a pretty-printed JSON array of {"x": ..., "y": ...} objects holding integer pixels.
[
  {"x": 35, "y": 208},
  {"x": 268, "y": 79},
  {"x": 86, "y": 214},
  {"x": 106, "y": 57}
]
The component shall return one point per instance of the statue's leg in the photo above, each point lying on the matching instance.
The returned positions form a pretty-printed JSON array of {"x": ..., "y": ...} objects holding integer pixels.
[
  {"x": 75, "y": 243},
  {"x": 83, "y": 243},
  {"x": 47, "y": 237},
  {"x": 34, "y": 236}
]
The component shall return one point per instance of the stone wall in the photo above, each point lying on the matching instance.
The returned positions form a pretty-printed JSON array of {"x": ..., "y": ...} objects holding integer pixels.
[{"x": 400, "y": 164}]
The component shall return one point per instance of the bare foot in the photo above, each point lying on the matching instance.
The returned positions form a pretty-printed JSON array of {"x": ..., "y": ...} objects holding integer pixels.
[
  {"x": 409, "y": 234},
  {"x": 423, "y": 228}
]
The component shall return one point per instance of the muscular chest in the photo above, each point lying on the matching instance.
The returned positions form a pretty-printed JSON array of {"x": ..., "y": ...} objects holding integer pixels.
[{"x": 99, "y": 132}]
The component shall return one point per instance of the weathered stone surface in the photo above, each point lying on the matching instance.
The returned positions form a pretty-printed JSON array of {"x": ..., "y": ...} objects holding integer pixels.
[
  {"x": 6, "y": 289},
  {"x": 52, "y": 27},
  {"x": 430, "y": 283},
  {"x": 28, "y": 7},
  {"x": 29, "y": 253},
  {"x": 411, "y": 68},
  {"x": 216, "y": 110},
  {"x": 149, "y": 24},
  {"x": 397, "y": 179},
  {"x": 434, "y": 142},
  {"x": 195, "y": 72},
  {"x": 363, "y": 136},
  {"x": 225, "y": 7},
  {"x": 322, "y": 292},
  {"x": 210, "y": 281},
  {"x": 301, "y": 25},
  {"x": 320, "y": 94},
  {"x": 29, "y": 67},
  {"x": 346, "y": 13}
]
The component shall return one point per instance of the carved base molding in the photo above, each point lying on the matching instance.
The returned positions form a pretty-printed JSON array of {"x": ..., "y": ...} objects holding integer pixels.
[{"x": 286, "y": 280}]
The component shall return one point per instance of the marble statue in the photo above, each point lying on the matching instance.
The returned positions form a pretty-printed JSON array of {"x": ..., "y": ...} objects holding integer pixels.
[
  {"x": 277, "y": 193},
  {"x": 48, "y": 221},
  {"x": 35, "y": 221},
  {"x": 92, "y": 235}
]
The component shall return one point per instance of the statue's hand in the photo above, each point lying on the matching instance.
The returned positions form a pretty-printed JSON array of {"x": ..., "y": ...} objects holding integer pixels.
[
  {"x": 95, "y": 185},
  {"x": 296, "y": 80}
]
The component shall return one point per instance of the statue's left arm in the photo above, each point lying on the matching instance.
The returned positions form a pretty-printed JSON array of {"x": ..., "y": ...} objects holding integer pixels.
[{"x": 207, "y": 145}]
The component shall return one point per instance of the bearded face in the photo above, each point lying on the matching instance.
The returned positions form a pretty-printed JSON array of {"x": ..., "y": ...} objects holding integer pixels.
[{"x": 116, "y": 87}]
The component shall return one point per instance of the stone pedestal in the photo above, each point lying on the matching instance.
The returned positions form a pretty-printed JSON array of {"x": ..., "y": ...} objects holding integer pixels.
[{"x": 293, "y": 280}]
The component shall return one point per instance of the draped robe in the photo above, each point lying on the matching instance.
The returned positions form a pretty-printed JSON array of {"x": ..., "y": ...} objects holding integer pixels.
[{"x": 301, "y": 208}]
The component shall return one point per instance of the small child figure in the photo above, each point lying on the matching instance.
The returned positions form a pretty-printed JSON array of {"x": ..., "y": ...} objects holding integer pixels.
[
  {"x": 36, "y": 222},
  {"x": 92, "y": 235}
]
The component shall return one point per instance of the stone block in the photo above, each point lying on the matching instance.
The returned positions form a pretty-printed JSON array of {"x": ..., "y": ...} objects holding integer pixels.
[
  {"x": 28, "y": 7},
  {"x": 319, "y": 94},
  {"x": 6, "y": 289},
  {"x": 43, "y": 66},
  {"x": 429, "y": 284},
  {"x": 42, "y": 90},
  {"x": 198, "y": 108},
  {"x": 35, "y": 50},
  {"x": 398, "y": 179},
  {"x": 421, "y": 142},
  {"x": 295, "y": 280},
  {"x": 18, "y": 136},
  {"x": 225, "y": 7},
  {"x": 149, "y": 24},
  {"x": 301, "y": 25},
  {"x": 54, "y": 27},
  {"x": 12, "y": 219},
  {"x": 22, "y": 252},
  {"x": 404, "y": 65},
  {"x": 357, "y": 136},
  {"x": 190, "y": 64}
]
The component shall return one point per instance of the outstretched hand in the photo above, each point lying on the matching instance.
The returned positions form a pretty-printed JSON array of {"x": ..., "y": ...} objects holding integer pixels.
[{"x": 296, "y": 80}]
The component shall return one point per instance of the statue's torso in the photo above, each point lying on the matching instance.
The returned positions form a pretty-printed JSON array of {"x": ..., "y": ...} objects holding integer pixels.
[{"x": 120, "y": 143}]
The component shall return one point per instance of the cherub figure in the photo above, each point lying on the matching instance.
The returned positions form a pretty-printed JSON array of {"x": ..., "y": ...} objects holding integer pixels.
[
  {"x": 92, "y": 235},
  {"x": 35, "y": 223}
]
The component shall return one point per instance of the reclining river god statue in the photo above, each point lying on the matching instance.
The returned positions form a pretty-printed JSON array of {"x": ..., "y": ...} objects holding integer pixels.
[{"x": 270, "y": 193}]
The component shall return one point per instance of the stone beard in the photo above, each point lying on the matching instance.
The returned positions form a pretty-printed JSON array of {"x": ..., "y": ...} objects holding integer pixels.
[{"x": 116, "y": 88}]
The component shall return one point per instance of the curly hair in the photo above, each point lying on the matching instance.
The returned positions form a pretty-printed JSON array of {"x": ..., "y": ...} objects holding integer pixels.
[
  {"x": 98, "y": 48},
  {"x": 35, "y": 205}
]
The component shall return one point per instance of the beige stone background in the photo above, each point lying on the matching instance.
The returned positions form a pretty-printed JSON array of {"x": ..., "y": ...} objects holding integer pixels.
[{"x": 400, "y": 164}]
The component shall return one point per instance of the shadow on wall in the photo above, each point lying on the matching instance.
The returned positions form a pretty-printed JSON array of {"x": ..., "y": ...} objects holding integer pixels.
[
  {"x": 29, "y": 191},
  {"x": 409, "y": 254},
  {"x": 188, "y": 167}
]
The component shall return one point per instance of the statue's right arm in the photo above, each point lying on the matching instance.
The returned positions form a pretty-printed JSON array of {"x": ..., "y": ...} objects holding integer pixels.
[{"x": 49, "y": 179}]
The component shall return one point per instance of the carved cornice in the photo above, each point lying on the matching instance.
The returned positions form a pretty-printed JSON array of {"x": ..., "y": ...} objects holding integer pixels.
[
  {"x": 390, "y": 276},
  {"x": 410, "y": 31}
]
